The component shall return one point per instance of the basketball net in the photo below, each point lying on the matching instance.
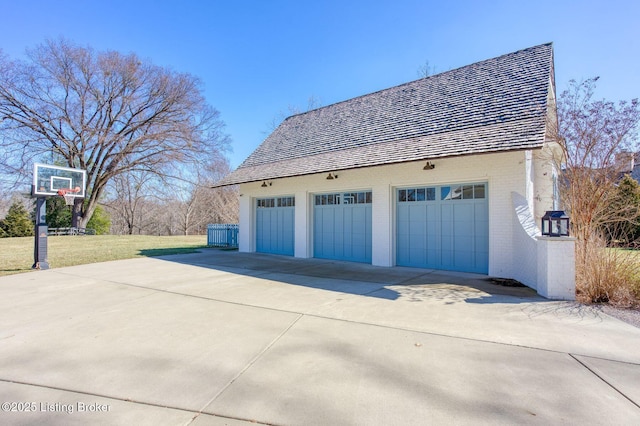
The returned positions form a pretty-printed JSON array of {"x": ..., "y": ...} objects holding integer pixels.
[{"x": 69, "y": 195}]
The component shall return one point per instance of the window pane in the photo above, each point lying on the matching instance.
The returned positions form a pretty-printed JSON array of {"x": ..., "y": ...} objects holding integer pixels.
[
  {"x": 368, "y": 198},
  {"x": 431, "y": 194},
  {"x": 411, "y": 195},
  {"x": 360, "y": 197},
  {"x": 420, "y": 194},
  {"x": 467, "y": 192},
  {"x": 285, "y": 201},
  {"x": 478, "y": 191},
  {"x": 445, "y": 192},
  {"x": 456, "y": 193},
  {"x": 402, "y": 195}
]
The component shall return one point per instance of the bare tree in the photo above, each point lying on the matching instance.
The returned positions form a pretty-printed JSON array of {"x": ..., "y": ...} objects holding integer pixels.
[
  {"x": 132, "y": 191},
  {"x": 313, "y": 102},
  {"x": 426, "y": 70},
  {"x": 198, "y": 204},
  {"x": 143, "y": 203},
  {"x": 597, "y": 136},
  {"x": 105, "y": 112}
]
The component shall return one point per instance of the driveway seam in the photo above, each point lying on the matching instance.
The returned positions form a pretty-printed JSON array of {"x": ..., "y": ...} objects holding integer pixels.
[
  {"x": 347, "y": 320},
  {"x": 605, "y": 381},
  {"x": 129, "y": 400},
  {"x": 249, "y": 364},
  {"x": 254, "y": 360}
]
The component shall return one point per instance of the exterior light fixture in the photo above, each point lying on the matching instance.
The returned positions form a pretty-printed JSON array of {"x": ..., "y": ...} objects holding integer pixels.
[
  {"x": 264, "y": 184},
  {"x": 555, "y": 223},
  {"x": 332, "y": 176},
  {"x": 429, "y": 166}
]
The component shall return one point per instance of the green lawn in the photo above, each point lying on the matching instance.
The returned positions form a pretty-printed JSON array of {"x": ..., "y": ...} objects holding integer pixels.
[{"x": 16, "y": 254}]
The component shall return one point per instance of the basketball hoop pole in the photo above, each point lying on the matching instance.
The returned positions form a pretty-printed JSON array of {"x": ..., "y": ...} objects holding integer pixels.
[
  {"x": 40, "y": 257},
  {"x": 49, "y": 181}
]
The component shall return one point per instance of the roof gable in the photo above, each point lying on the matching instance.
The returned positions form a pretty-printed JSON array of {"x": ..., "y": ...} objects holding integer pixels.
[{"x": 494, "y": 105}]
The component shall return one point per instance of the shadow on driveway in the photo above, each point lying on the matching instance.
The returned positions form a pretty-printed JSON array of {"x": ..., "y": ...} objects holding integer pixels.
[{"x": 389, "y": 283}]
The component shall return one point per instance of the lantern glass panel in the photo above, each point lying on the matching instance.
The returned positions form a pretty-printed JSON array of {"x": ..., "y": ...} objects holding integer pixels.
[{"x": 555, "y": 223}]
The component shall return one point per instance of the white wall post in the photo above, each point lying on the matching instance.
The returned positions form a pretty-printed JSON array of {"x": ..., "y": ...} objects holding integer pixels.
[
  {"x": 303, "y": 225},
  {"x": 245, "y": 241},
  {"x": 556, "y": 267},
  {"x": 382, "y": 225}
]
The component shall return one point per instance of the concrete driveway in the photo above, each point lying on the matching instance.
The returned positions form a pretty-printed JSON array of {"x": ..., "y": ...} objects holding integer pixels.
[{"x": 225, "y": 338}]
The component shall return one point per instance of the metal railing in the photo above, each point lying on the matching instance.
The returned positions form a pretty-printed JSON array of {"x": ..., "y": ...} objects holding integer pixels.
[{"x": 222, "y": 235}]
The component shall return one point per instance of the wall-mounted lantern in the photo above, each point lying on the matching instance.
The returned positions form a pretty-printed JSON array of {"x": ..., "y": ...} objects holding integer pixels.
[
  {"x": 429, "y": 166},
  {"x": 332, "y": 176},
  {"x": 555, "y": 223}
]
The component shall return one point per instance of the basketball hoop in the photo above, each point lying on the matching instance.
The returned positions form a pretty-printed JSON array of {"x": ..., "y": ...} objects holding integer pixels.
[{"x": 69, "y": 195}]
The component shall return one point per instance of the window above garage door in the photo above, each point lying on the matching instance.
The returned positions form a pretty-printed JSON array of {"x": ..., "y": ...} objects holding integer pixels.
[
  {"x": 266, "y": 203},
  {"x": 343, "y": 198},
  {"x": 444, "y": 193}
]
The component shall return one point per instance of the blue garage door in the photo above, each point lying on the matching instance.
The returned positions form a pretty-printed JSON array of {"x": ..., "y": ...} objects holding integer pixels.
[
  {"x": 275, "y": 225},
  {"x": 342, "y": 226},
  {"x": 443, "y": 227}
]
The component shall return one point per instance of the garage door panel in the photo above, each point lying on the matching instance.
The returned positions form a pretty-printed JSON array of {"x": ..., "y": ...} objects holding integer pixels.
[
  {"x": 288, "y": 238},
  {"x": 346, "y": 227},
  {"x": 275, "y": 225},
  {"x": 482, "y": 244},
  {"x": 464, "y": 243},
  {"x": 446, "y": 230},
  {"x": 464, "y": 260},
  {"x": 433, "y": 258},
  {"x": 446, "y": 259},
  {"x": 481, "y": 213},
  {"x": 417, "y": 242},
  {"x": 482, "y": 259}
]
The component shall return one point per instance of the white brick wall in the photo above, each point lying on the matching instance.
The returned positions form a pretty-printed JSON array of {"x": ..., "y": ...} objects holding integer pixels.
[
  {"x": 525, "y": 252},
  {"x": 556, "y": 268}
]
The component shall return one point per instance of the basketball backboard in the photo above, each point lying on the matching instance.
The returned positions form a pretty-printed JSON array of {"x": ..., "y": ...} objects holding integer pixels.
[{"x": 48, "y": 180}]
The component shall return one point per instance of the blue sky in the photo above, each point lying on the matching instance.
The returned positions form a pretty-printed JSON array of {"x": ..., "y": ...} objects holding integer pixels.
[{"x": 257, "y": 58}]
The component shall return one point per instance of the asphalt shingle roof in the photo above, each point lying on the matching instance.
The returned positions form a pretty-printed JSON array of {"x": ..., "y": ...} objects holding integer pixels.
[{"x": 495, "y": 105}]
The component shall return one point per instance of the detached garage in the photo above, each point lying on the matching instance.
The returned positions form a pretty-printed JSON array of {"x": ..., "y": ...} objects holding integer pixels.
[{"x": 428, "y": 174}]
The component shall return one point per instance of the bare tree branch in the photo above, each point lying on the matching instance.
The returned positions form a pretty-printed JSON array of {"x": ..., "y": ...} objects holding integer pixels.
[{"x": 105, "y": 112}]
